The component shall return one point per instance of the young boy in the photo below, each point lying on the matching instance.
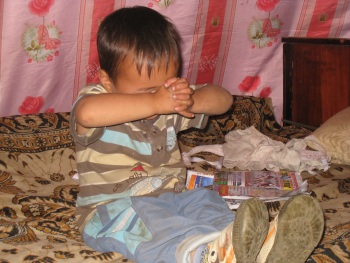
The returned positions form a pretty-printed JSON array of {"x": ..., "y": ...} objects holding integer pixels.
[{"x": 130, "y": 166}]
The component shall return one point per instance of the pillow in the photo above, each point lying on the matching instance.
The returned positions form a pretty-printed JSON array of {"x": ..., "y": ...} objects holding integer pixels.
[
  {"x": 333, "y": 137},
  {"x": 244, "y": 112},
  {"x": 247, "y": 111},
  {"x": 35, "y": 132}
]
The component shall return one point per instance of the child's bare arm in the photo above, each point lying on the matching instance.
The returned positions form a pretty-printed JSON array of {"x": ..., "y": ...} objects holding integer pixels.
[
  {"x": 114, "y": 108},
  {"x": 210, "y": 99},
  {"x": 181, "y": 93}
]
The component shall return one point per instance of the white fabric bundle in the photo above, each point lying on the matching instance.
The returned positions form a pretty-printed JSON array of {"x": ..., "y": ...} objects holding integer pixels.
[{"x": 251, "y": 150}]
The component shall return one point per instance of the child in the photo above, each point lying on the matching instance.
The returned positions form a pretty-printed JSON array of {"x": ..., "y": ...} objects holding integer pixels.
[{"x": 130, "y": 165}]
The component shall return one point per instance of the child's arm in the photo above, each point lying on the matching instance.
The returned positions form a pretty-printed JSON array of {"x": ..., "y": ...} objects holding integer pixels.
[
  {"x": 107, "y": 109},
  {"x": 210, "y": 99}
]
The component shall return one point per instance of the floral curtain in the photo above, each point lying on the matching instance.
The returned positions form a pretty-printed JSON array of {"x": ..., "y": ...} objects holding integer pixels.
[{"x": 48, "y": 50}]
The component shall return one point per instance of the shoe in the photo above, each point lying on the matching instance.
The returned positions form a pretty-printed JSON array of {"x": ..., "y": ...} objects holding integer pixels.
[
  {"x": 249, "y": 230},
  {"x": 295, "y": 232}
]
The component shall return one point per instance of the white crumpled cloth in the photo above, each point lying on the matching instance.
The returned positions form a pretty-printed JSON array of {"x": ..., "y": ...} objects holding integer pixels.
[{"x": 251, "y": 150}]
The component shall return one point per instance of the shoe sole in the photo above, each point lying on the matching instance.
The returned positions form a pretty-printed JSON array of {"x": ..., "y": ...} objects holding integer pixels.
[
  {"x": 300, "y": 228},
  {"x": 249, "y": 230}
]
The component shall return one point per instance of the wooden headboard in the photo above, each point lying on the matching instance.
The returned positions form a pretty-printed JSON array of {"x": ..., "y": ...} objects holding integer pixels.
[{"x": 316, "y": 79}]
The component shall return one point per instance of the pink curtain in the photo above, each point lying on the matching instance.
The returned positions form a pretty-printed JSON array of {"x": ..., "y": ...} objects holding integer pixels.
[{"x": 48, "y": 52}]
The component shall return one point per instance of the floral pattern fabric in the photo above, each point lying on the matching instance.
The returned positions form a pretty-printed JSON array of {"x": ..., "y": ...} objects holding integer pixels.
[
  {"x": 48, "y": 47},
  {"x": 38, "y": 192}
]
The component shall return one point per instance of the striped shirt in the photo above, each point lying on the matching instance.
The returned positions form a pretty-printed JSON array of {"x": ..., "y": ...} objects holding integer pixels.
[{"x": 131, "y": 159}]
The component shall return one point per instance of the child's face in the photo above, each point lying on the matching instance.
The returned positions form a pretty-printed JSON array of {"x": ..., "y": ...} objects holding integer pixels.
[{"x": 129, "y": 81}]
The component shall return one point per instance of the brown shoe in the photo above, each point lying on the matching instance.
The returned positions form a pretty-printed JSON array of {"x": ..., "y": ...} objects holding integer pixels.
[
  {"x": 249, "y": 230},
  {"x": 295, "y": 232}
]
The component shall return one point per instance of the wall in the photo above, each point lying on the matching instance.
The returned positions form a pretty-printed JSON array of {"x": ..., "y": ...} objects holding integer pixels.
[{"x": 47, "y": 48}]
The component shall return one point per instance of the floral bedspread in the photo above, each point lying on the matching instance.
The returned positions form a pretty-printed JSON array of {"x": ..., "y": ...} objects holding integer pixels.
[{"x": 38, "y": 193}]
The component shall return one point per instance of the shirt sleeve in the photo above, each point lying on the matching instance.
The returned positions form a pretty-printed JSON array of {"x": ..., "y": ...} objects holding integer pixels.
[{"x": 93, "y": 134}]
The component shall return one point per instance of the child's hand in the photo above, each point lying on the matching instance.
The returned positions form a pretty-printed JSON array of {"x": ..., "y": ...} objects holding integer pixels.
[
  {"x": 165, "y": 103},
  {"x": 182, "y": 95}
]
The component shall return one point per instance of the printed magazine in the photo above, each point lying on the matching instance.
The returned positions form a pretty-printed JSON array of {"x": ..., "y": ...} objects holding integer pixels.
[
  {"x": 236, "y": 186},
  {"x": 262, "y": 184}
]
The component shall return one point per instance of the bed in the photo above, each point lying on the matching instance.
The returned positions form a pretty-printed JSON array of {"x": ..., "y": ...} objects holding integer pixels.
[{"x": 38, "y": 190}]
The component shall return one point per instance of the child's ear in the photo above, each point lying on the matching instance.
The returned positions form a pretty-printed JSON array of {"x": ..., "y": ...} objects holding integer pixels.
[{"x": 105, "y": 80}]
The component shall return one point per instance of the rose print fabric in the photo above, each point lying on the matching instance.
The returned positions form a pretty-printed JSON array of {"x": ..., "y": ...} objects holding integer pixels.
[{"x": 48, "y": 50}]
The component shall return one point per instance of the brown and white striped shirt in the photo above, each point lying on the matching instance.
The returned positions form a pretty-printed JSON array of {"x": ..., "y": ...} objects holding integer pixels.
[{"x": 136, "y": 158}]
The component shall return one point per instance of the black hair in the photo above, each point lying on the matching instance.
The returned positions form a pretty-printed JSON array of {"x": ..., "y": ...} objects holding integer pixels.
[{"x": 138, "y": 31}]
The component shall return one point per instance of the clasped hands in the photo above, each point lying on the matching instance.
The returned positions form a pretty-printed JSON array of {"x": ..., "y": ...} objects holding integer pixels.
[{"x": 181, "y": 94}]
